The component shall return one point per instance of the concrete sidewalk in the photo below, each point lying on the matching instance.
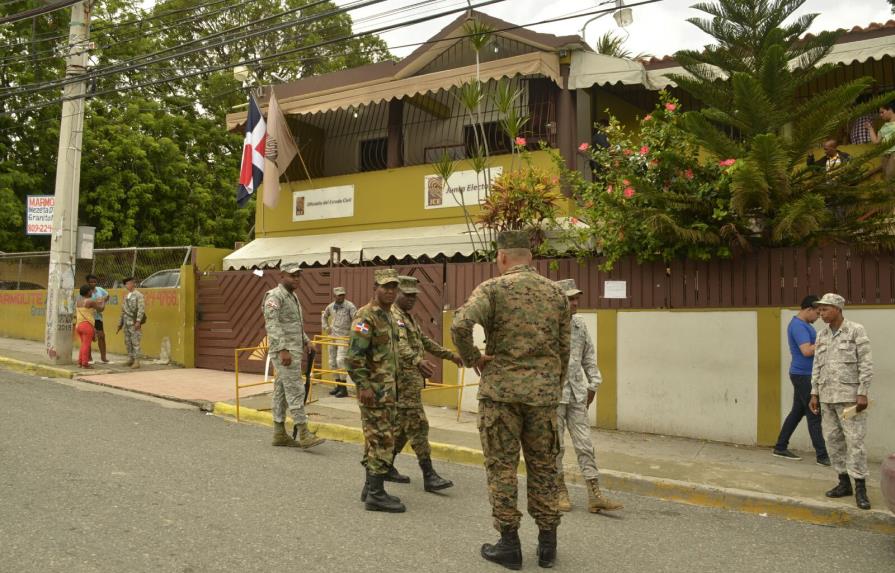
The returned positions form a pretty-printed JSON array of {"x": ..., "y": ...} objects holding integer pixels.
[{"x": 691, "y": 471}]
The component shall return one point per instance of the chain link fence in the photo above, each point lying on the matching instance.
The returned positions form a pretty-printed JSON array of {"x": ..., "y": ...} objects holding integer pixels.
[{"x": 152, "y": 266}]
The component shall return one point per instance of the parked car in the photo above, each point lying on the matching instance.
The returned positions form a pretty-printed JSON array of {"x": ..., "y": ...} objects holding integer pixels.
[
  {"x": 168, "y": 278},
  {"x": 887, "y": 481},
  {"x": 20, "y": 285}
]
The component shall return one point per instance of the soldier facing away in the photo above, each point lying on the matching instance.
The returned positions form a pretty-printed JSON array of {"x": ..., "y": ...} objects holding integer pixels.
[
  {"x": 527, "y": 327},
  {"x": 372, "y": 363},
  {"x": 286, "y": 341},
  {"x": 840, "y": 379},
  {"x": 578, "y": 392},
  {"x": 412, "y": 423},
  {"x": 336, "y": 320}
]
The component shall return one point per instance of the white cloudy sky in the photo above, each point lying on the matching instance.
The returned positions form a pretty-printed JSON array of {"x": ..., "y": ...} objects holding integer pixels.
[{"x": 658, "y": 29}]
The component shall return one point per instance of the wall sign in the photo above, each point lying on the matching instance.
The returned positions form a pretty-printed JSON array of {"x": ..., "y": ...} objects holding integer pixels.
[
  {"x": 464, "y": 188},
  {"x": 325, "y": 203},
  {"x": 39, "y": 218}
]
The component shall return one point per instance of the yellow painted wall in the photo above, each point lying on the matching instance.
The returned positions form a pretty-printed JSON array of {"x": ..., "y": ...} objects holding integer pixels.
[
  {"x": 391, "y": 198},
  {"x": 210, "y": 259},
  {"x": 170, "y": 312}
]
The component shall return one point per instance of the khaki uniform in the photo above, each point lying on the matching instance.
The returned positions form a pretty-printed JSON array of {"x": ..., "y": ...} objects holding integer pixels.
[
  {"x": 372, "y": 363},
  {"x": 527, "y": 328},
  {"x": 843, "y": 370},
  {"x": 132, "y": 312},
  {"x": 412, "y": 423},
  {"x": 583, "y": 376},
  {"x": 284, "y": 323},
  {"x": 336, "y": 320}
]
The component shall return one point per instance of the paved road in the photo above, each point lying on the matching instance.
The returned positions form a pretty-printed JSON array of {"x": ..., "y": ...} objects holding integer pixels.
[{"x": 98, "y": 481}]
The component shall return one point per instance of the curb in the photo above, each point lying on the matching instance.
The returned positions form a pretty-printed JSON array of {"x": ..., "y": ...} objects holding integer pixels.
[
  {"x": 34, "y": 368},
  {"x": 745, "y": 501}
]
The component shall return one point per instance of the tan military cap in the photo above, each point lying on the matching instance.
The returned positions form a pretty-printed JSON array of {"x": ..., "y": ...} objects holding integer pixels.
[
  {"x": 386, "y": 276},
  {"x": 290, "y": 268},
  {"x": 339, "y": 290},
  {"x": 831, "y": 299},
  {"x": 568, "y": 287},
  {"x": 408, "y": 285},
  {"x": 514, "y": 240}
]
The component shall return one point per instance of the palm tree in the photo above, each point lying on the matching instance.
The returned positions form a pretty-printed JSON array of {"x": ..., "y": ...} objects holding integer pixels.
[{"x": 611, "y": 45}]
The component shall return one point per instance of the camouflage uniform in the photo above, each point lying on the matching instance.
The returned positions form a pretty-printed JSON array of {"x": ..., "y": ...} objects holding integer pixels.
[
  {"x": 412, "y": 346},
  {"x": 372, "y": 363},
  {"x": 843, "y": 370},
  {"x": 527, "y": 327},
  {"x": 132, "y": 312},
  {"x": 583, "y": 375},
  {"x": 336, "y": 320},
  {"x": 285, "y": 331}
]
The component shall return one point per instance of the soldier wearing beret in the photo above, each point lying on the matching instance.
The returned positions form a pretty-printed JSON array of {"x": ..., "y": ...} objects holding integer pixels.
[
  {"x": 411, "y": 423},
  {"x": 840, "y": 380},
  {"x": 372, "y": 363},
  {"x": 527, "y": 330},
  {"x": 286, "y": 339}
]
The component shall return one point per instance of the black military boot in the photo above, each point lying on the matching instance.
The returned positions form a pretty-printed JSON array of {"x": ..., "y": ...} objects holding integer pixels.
[
  {"x": 546, "y": 548},
  {"x": 341, "y": 391},
  {"x": 506, "y": 552},
  {"x": 366, "y": 490},
  {"x": 378, "y": 500},
  {"x": 431, "y": 480},
  {"x": 861, "y": 494},
  {"x": 393, "y": 474},
  {"x": 843, "y": 489}
]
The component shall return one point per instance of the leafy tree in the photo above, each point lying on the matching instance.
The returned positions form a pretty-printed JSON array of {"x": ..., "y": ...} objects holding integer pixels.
[
  {"x": 158, "y": 166},
  {"x": 610, "y": 44},
  {"x": 754, "y": 114}
]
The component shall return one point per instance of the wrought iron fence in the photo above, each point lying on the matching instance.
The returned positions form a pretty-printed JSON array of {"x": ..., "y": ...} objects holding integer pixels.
[{"x": 29, "y": 271}]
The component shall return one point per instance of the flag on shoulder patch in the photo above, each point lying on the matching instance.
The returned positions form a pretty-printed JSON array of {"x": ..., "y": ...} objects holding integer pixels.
[
  {"x": 362, "y": 327},
  {"x": 401, "y": 323}
]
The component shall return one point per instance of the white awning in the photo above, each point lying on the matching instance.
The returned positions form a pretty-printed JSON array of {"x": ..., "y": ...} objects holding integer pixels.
[
  {"x": 590, "y": 69},
  {"x": 266, "y": 252}
]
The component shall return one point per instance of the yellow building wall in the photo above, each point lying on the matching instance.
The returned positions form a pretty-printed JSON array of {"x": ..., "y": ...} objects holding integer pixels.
[
  {"x": 387, "y": 199},
  {"x": 210, "y": 259},
  {"x": 170, "y": 315}
]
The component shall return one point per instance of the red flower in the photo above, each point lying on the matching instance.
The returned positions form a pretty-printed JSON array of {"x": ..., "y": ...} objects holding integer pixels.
[
  {"x": 628, "y": 152},
  {"x": 626, "y": 182},
  {"x": 555, "y": 180},
  {"x": 688, "y": 174},
  {"x": 520, "y": 141},
  {"x": 727, "y": 162},
  {"x": 648, "y": 117},
  {"x": 610, "y": 189},
  {"x": 671, "y": 106},
  {"x": 644, "y": 150},
  {"x": 583, "y": 147},
  {"x": 629, "y": 192}
]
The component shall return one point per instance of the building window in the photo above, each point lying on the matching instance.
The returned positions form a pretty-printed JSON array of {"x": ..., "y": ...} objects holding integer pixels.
[
  {"x": 374, "y": 154},
  {"x": 497, "y": 139}
]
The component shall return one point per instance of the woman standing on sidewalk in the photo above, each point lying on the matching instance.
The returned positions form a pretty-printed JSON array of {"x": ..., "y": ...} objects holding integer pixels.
[{"x": 85, "y": 309}]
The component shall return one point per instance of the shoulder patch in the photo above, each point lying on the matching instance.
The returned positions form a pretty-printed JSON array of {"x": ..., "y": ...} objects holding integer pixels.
[
  {"x": 272, "y": 303},
  {"x": 401, "y": 323},
  {"x": 361, "y": 327}
]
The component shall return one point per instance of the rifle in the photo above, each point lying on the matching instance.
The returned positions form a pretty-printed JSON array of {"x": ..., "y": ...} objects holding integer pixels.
[{"x": 310, "y": 366}]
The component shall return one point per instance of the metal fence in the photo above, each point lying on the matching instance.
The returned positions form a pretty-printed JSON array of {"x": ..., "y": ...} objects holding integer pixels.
[{"x": 28, "y": 271}]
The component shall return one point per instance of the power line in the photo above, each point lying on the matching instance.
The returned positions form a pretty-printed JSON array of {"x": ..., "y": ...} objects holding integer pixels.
[{"x": 37, "y": 11}]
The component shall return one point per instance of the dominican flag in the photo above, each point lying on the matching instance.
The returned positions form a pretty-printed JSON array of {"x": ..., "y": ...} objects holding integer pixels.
[{"x": 251, "y": 173}]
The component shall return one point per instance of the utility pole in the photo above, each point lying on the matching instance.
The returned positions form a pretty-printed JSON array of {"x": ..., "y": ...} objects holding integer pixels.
[{"x": 60, "y": 287}]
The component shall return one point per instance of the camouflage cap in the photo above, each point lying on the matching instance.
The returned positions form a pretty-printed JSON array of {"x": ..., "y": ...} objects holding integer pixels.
[
  {"x": 831, "y": 299},
  {"x": 568, "y": 287},
  {"x": 290, "y": 268},
  {"x": 339, "y": 290},
  {"x": 385, "y": 276},
  {"x": 514, "y": 240},
  {"x": 408, "y": 285}
]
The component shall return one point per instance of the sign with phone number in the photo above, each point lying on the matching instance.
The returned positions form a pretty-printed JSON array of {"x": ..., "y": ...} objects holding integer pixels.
[{"x": 39, "y": 219}]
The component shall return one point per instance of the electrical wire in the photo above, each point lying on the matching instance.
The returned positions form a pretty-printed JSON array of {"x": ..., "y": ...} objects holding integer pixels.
[{"x": 27, "y": 14}]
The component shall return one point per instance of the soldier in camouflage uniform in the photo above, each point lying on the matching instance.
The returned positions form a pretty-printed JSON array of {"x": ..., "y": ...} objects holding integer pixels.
[
  {"x": 527, "y": 329},
  {"x": 578, "y": 393},
  {"x": 286, "y": 339},
  {"x": 840, "y": 378},
  {"x": 336, "y": 319},
  {"x": 372, "y": 363},
  {"x": 133, "y": 313},
  {"x": 413, "y": 369}
]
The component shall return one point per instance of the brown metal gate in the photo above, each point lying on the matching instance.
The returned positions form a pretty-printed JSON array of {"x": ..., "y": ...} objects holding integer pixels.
[{"x": 228, "y": 306}]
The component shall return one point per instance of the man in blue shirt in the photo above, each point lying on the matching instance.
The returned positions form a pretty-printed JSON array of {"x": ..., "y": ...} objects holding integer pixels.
[
  {"x": 99, "y": 293},
  {"x": 801, "y": 336}
]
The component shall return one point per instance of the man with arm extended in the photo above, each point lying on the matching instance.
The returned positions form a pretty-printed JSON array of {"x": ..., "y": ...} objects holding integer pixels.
[{"x": 527, "y": 328}]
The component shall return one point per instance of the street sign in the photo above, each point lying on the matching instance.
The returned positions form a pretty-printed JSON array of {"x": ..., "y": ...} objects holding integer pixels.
[{"x": 39, "y": 219}]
